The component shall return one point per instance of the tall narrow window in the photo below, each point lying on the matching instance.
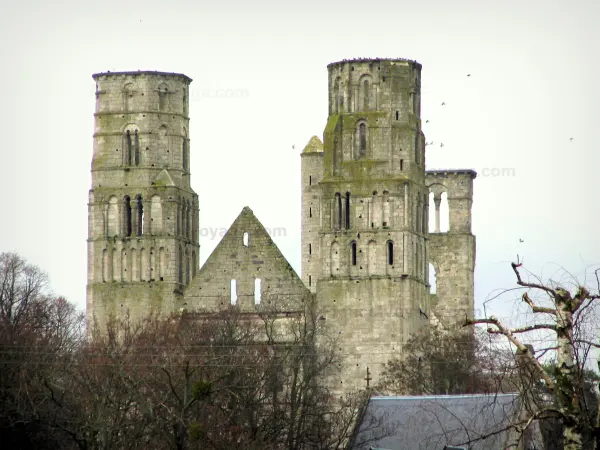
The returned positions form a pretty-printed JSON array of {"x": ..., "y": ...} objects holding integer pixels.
[
  {"x": 136, "y": 149},
  {"x": 309, "y": 212},
  {"x": 140, "y": 215},
  {"x": 128, "y": 149},
  {"x": 188, "y": 228},
  {"x": 338, "y": 198},
  {"x": 362, "y": 135},
  {"x": 366, "y": 95},
  {"x": 390, "y": 252},
  {"x": 185, "y": 154},
  {"x": 347, "y": 210},
  {"x": 180, "y": 265},
  {"x": 245, "y": 239},
  {"x": 257, "y": 291},
  {"x": 162, "y": 97},
  {"x": 127, "y": 216},
  {"x": 310, "y": 249},
  {"x": 309, "y": 280},
  {"x": 417, "y": 152},
  {"x": 353, "y": 252},
  {"x": 112, "y": 217},
  {"x": 233, "y": 292},
  {"x": 310, "y": 180}
]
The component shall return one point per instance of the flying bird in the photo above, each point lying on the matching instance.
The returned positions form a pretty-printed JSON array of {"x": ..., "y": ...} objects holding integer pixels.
[
  {"x": 443, "y": 103},
  {"x": 293, "y": 147},
  {"x": 570, "y": 139},
  {"x": 442, "y": 144},
  {"x": 521, "y": 240},
  {"x": 468, "y": 74}
]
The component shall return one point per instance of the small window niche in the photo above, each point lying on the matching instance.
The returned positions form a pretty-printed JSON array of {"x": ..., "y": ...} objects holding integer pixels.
[
  {"x": 257, "y": 291},
  {"x": 233, "y": 292},
  {"x": 245, "y": 239}
]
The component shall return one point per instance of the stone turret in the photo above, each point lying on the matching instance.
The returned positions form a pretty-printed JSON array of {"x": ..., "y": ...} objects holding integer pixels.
[
  {"x": 371, "y": 230},
  {"x": 143, "y": 215}
]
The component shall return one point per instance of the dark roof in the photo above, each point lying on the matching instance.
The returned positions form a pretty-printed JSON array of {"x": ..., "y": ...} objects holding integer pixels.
[{"x": 433, "y": 422}]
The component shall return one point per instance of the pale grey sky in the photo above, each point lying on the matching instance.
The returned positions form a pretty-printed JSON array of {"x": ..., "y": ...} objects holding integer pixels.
[{"x": 533, "y": 86}]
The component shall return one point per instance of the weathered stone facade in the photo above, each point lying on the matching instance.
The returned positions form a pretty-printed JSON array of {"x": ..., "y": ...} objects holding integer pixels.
[{"x": 366, "y": 246}]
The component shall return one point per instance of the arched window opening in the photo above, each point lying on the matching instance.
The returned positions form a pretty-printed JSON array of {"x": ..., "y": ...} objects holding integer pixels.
[
  {"x": 353, "y": 252},
  {"x": 115, "y": 265},
  {"x": 338, "y": 202},
  {"x": 162, "y": 97},
  {"x": 257, "y": 291},
  {"x": 390, "y": 252},
  {"x": 135, "y": 266},
  {"x": 347, "y": 210},
  {"x": 128, "y": 96},
  {"x": 143, "y": 265},
  {"x": 433, "y": 228},
  {"x": 432, "y": 279},
  {"x": 127, "y": 215},
  {"x": 188, "y": 266},
  {"x": 112, "y": 217},
  {"x": 417, "y": 151},
  {"x": 136, "y": 148},
  {"x": 245, "y": 239},
  {"x": 140, "y": 215},
  {"x": 194, "y": 264},
  {"x": 233, "y": 292},
  {"x": 128, "y": 149},
  {"x": 124, "y": 273},
  {"x": 366, "y": 95},
  {"x": 180, "y": 265},
  {"x": 155, "y": 215},
  {"x": 188, "y": 228},
  {"x": 153, "y": 270},
  {"x": 362, "y": 135},
  {"x": 105, "y": 276},
  {"x": 444, "y": 214},
  {"x": 185, "y": 103},
  {"x": 185, "y": 154},
  {"x": 386, "y": 210}
]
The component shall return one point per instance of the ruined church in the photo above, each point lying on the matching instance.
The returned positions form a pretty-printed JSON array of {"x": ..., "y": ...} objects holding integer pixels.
[{"x": 366, "y": 242}]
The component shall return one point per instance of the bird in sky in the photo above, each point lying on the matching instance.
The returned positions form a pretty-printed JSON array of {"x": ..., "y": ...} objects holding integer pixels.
[
  {"x": 443, "y": 103},
  {"x": 468, "y": 74},
  {"x": 521, "y": 240},
  {"x": 570, "y": 139},
  {"x": 293, "y": 147},
  {"x": 427, "y": 121},
  {"x": 442, "y": 144}
]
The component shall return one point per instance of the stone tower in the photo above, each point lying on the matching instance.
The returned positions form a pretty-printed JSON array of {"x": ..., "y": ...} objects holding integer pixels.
[
  {"x": 142, "y": 213},
  {"x": 365, "y": 215}
]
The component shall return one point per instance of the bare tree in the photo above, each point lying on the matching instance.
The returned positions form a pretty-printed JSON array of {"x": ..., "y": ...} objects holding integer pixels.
[
  {"x": 38, "y": 333},
  {"x": 438, "y": 361},
  {"x": 557, "y": 392}
]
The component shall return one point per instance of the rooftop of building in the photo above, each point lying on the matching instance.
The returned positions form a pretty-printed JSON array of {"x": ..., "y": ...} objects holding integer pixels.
[
  {"x": 373, "y": 60},
  {"x": 141, "y": 72}
]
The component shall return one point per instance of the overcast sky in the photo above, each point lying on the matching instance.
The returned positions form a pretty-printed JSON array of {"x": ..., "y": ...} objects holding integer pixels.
[{"x": 260, "y": 87}]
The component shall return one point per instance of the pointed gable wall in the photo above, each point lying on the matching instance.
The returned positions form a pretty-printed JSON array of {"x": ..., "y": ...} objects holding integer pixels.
[{"x": 281, "y": 287}]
